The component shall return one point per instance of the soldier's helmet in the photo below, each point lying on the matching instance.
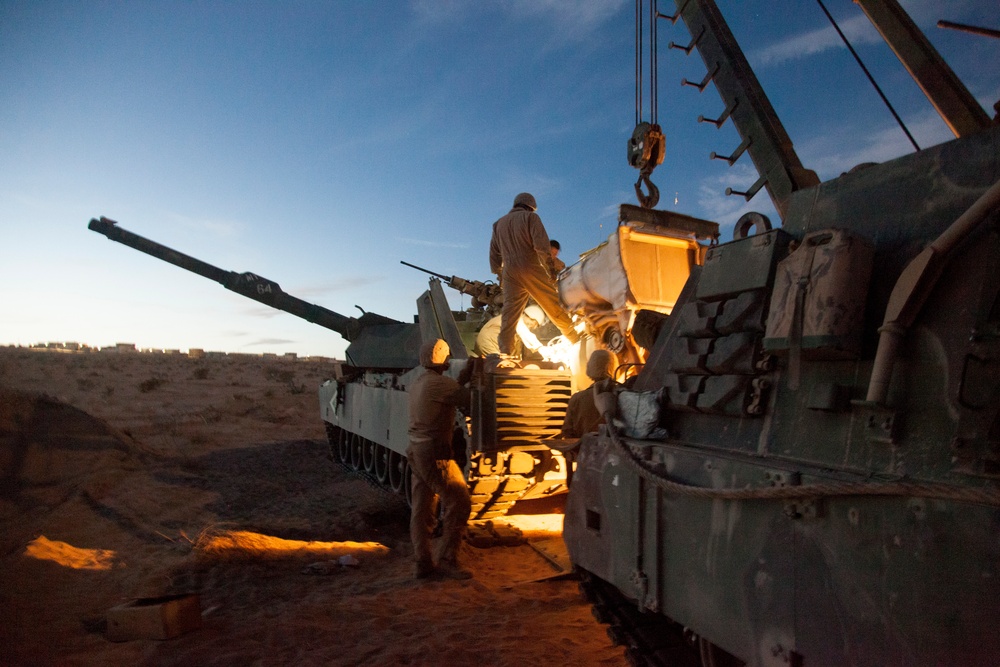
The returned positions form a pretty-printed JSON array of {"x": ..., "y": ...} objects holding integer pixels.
[
  {"x": 537, "y": 314},
  {"x": 526, "y": 199},
  {"x": 599, "y": 365},
  {"x": 434, "y": 353}
]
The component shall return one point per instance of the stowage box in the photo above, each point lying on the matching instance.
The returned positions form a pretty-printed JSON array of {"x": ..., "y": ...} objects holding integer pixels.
[{"x": 154, "y": 618}]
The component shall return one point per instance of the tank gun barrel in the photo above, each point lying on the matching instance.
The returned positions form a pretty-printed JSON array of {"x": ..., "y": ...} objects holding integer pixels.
[{"x": 247, "y": 284}]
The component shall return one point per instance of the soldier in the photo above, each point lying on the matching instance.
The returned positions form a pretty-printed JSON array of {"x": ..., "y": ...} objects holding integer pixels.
[
  {"x": 433, "y": 398},
  {"x": 554, "y": 249},
  {"x": 582, "y": 415},
  {"x": 520, "y": 255},
  {"x": 487, "y": 340}
]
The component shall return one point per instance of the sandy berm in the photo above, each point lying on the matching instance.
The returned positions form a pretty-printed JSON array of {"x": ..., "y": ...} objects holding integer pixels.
[{"x": 138, "y": 475}]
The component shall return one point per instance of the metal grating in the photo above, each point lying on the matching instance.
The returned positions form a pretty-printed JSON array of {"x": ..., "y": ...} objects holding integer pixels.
[{"x": 521, "y": 407}]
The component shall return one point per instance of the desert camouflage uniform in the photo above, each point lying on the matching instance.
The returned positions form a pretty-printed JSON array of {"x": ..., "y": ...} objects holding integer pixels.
[
  {"x": 519, "y": 254},
  {"x": 433, "y": 399}
]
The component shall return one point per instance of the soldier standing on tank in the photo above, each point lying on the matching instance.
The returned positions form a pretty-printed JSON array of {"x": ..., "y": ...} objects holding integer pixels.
[
  {"x": 433, "y": 398},
  {"x": 520, "y": 255}
]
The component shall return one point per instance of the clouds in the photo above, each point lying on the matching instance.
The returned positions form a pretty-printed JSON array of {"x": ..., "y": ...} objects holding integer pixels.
[
  {"x": 432, "y": 243},
  {"x": 858, "y": 29},
  {"x": 717, "y": 207},
  {"x": 216, "y": 227},
  {"x": 832, "y": 154},
  {"x": 565, "y": 22}
]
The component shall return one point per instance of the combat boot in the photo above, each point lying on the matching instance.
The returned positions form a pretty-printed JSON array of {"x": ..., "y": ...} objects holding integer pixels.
[
  {"x": 449, "y": 569},
  {"x": 423, "y": 569}
]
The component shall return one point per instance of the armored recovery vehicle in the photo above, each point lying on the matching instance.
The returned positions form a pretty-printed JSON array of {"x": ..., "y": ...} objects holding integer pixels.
[{"x": 821, "y": 484}]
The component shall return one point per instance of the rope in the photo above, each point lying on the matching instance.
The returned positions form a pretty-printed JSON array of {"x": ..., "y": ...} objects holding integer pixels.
[{"x": 990, "y": 497}]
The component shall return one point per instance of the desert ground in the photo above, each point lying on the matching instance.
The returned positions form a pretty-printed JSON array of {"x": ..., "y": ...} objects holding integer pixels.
[{"x": 138, "y": 475}]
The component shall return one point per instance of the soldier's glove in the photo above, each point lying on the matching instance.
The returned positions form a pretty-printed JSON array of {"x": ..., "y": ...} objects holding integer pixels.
[{"x": 465, "y": 374}]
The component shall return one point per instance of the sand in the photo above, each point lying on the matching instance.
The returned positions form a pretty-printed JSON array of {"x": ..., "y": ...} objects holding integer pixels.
[{"x": 137, "y": 475}]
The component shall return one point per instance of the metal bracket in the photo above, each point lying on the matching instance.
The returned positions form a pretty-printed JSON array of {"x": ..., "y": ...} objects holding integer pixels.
[
  {"x": 690, "y": 47},
  {"x": 737, "y": 154},
  {"x": 718, "y": 122},
  {"x": 704, "y": 82},
  {"x": 758, "y": 393},
  {"x": 673, "y": 19},
  {"x": 806, "y": 508},
  {"x": 749, "y": 194},
  {"x": 790, "y": 657},
  {"x": 880, "y": 421},
  {"x": 641, "y": 583},
  {"x": 783, "y": 478}
]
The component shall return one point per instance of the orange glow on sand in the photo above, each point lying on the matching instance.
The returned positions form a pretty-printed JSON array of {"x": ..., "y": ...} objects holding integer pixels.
[
  {"x": 246, "y": 544},
  {"x": 537, "y": 525},
  {"x": 67, "y": 555}
]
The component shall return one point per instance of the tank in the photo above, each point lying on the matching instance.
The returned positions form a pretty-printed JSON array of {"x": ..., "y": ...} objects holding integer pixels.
[
  {"x": 502, "y": 445},
  {"x": 364, "y": 404},
  {"x": 805, "y": 469}
]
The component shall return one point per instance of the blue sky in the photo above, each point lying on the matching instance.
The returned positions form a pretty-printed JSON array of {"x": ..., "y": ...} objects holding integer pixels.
[{"x": 320, "y": 143}]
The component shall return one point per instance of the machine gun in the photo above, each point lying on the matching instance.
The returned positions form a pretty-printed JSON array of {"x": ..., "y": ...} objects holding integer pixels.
[{"x": 484, "y": 295}]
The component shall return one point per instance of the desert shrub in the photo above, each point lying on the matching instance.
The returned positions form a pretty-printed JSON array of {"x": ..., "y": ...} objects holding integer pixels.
[
  {"x": 280, "y": 375},
  {"x": 151, "y": 384},
  {"x": 201, "y": 373},
  {"x": 211, "y": 415}
]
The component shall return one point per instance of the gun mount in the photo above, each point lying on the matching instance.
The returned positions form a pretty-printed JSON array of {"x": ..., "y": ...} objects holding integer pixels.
[{"x": 485, "y": 295}]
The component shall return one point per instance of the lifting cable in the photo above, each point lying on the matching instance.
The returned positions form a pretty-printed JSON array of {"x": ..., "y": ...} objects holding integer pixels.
[
  {"x": 638, "y": 61},
  {"x": 871, "y": 79},
  {"x": 646, "y": 146}
]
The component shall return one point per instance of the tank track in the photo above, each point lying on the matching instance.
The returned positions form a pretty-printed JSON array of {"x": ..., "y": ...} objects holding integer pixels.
[
  {"x": 650, "y": 640},
  {"x": 494, "y": 496},
  {"x": 491, "y": 496}
]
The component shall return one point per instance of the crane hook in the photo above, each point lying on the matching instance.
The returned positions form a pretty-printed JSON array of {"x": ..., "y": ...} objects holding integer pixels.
[
  {"x": 646, "y": 201},
  {"x": 646, "y": 149}
]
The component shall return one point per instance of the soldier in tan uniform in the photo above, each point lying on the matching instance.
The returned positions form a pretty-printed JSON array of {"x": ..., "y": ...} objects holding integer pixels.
[
  {"x": 487, "y": 340},
  {"x": 433, "y": 398},
  {"x": 582, "y": 415},
  {"x": 520, "y": 254},
  {"x": 554, "y": 249}
]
